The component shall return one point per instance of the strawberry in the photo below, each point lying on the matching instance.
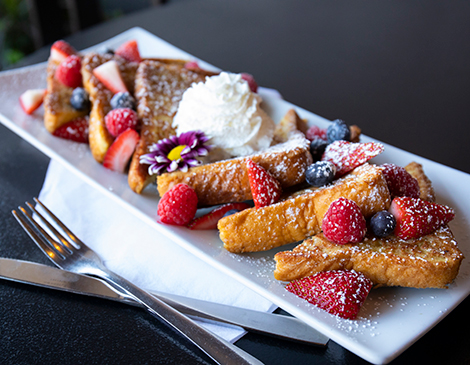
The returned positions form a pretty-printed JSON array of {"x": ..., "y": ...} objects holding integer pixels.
[
  {"x": 110, "y": 75},
  {"x": 119, "y": 120},
  {"x": 192, "y": 65},
  {"x": 209, "y": 220},
  {"x": 75, "y": 130},
  {"x": 315, "y": 132},
  {"x": 265, "y": 189},
  {"x": 120, "y": 152},
  {"x": 416, "y": 218},
  {"x": 399, "y": 181},
  {"x": 339, "y": 292},
  {"x": 60, "y": 50},
  {"x": 32, "y": 99},
  {"x": 178, "y": 205},
  {"x": 69, "y": 72},
  {"x": 347, "y": 155},
  {"x": 251, "y": 81},
  {"x": 129, "y": 51},
  {"x": 343, "y": 222}
]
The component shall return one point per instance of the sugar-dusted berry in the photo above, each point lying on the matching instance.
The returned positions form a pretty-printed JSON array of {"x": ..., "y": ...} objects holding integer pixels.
[
  {"x": 119, "y": 120},
  {"x": 399, "y": 181},
  {"x": 69, "y": 71},
  {"x": 338, "y": 130},
  {"x": 178, "y": 205},
  {"x": 122, "y": 100},
  {"x": 339, "y": 292},
  {"x": 343, "y": 222},
  {"x": 80, "y": 99},
  {"x": 76, "y": 130},
  {"x": 320, "y": 173},
  {"x": 266, "y": 190},
  {"x": 382, "y": 223}
]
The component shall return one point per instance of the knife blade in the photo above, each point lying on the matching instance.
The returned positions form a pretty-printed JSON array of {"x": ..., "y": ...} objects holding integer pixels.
[{"x": 285, "y": 327}]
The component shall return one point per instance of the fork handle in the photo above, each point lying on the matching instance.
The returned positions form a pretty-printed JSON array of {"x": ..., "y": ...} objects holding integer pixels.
[{"x": 218, "y": 349}]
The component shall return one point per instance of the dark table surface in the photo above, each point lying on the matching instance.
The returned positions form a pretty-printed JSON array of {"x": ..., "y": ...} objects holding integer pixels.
[{"x": 399, "y": 70}]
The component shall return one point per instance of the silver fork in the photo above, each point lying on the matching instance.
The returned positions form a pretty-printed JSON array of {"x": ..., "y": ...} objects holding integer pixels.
[{"x": 69, "y": 253}]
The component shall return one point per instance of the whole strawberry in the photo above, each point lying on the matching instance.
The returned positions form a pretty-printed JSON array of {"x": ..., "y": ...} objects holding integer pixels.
[
  {"x": 347, "y": 155},
  {"x": 399, "y": 181},
  {"x": 69, "y": 72},
  {"x": 119, "y": 120},
  {"x": 340, "y": 292},
  {"x": 178, "y": 205},
  {"x": 266, "y": 190},
  {"x": 416, "y": 217},
  {"x": 343, "y": 222}
]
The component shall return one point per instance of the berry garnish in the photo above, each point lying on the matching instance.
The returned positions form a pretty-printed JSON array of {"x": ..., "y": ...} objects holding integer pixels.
[
  {"x": 119, "y": 120},
  {"x": 209, "y": 220},
  {"x": 347, "y": 155},
  {"x": 315, "y": 132},
  {"x": 399, "y": 181},
  {"x": 178, "y": 205},
  {"x": 251, "y": 81},
  {"x": 339, "y": 292},
  {"x": 265, "y": 189},
  {"x": 69, "y": 71},
  {"x": 122, "y": 100},
  {"x": 317, "y": 147},
  {"x": 320, "y": 173},
  {"x": 192, "y": 65},
  {"x": 60, "y": 50},
  {"x": 80, "y": 99},
  {"x": 32, "y": 99},
  {"x": 338, "y": 131},
  {"x": 343, "y": 222},
  {"x": 129, "y": 51},
  {"x": 76, "y": 130},
  {"x": 110, "y": 76},
  {"x": 120, "y": 152},
  {"x": 416, "y": 218},
  {"x": 383, "y": 223}
]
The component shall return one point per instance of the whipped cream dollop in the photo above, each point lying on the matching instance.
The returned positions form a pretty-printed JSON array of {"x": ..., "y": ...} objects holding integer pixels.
[{"x": 228, "y": 112}]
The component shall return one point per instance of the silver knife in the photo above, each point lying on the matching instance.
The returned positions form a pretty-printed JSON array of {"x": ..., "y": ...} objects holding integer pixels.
[{"x": 285, "y": 327}]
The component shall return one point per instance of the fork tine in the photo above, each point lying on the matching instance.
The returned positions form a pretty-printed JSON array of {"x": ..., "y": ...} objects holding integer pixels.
[
  {"x": 75, "y": 240},
  {"x": 41, "y": 242}
]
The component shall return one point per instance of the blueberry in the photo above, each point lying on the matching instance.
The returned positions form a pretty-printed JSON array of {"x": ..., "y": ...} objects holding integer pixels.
[
  {"x": 383, "y": 224},
  {"x": 338, "y": 130},
  {"x": 230, "y": 212},
  {"x": 122, "y": 100},
  {"x": 79, "y": 99},
  {"x": 320, "y": 173},
  {"x": 317, "y": 147}
]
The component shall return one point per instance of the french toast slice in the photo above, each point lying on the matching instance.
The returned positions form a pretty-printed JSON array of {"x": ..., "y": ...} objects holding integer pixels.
[
  {"x": 431, "y": 261},
  {"x": 159, "y": 87},
  {"x": 300, "y": 215},
  {"x": 100, "y": 96},
  {"x": 227, "y": 180},
  {"x": 57, "y": 107}
]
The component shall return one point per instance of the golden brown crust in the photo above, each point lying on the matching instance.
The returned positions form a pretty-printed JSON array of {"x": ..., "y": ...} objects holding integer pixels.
[
  {"x": 160, "y": 85},
  {"x": 431, "y": 261},
  {"x": 300, "y": 216},
  {"x": 425, "y": 186},
  {"x": 227, "y": 181},
  {"x": 100, "y": 96},
  {"x": 57, "y": 108}
]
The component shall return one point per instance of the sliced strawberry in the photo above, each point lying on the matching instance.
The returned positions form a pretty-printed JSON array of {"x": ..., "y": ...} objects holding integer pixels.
[
  {"x": 69, "y": 72},
  {"x": 339, "y": 292},
  {"x": 60, "y": 50},
  {"x": 209, "y": 220},
  {"x": 110, "y": 75},
  {"x": 32, "y": 99},
  {"x": 251, "y": 81},
  {"x": 347, "y": 155},
  {"x": 416, "y": 218},
  {"x": 75, "y": 130},
  {"x": 129, "y": 51},
  {"x": 120, "y": 152},
  {"x": 399, "y": 181},
  {"x": 265, "y": 189}
]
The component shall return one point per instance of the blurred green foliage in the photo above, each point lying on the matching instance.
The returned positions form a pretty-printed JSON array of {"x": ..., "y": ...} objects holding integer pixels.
[{"x": 15, "y": 32}]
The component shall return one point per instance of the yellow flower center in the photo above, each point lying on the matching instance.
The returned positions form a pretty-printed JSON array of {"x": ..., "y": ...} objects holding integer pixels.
[{"x": 175, "y": 153}]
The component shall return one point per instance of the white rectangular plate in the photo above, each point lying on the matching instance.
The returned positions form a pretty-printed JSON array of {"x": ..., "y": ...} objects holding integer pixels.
[{"x": 390, "y": 321}]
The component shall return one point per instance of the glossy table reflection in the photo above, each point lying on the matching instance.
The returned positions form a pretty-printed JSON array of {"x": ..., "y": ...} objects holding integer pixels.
[{"x": 397, "y": 70}]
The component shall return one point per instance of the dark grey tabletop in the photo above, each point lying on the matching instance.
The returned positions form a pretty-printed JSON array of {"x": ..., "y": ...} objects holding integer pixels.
[{"x": 399, "y": 70}]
